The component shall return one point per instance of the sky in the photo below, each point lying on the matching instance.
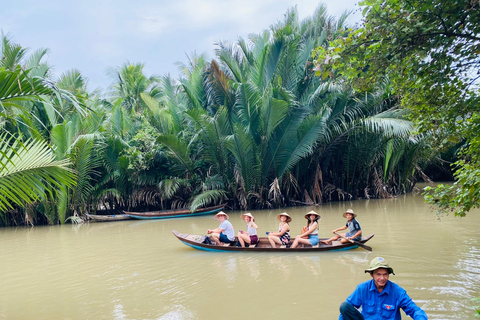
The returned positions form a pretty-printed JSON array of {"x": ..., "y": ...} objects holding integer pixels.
[{"x": 95, "y": 36}]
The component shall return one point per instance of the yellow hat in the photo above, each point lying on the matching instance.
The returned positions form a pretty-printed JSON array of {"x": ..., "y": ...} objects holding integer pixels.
[
  {"x": 286, "y": 215},
  {"x": 221, "y": 213},
  {"x": 312, "y": 212},
  {"x": 349, "y": 211},
  {"x": 248, "y": 214}
]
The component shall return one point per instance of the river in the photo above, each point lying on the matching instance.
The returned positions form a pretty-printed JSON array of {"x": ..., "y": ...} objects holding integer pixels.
[{"x": 138, "y": 270}]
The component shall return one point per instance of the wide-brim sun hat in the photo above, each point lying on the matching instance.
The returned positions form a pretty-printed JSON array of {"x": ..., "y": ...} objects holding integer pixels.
[
  {"x": 248, "y": 214},
  {"x": 349, "y": 211},
  {"x": 312, "y": 212},
  {"x": 289, "y": 219},
  {"x": 378, "y": 263},
  {"x": 221, "y": 213}
]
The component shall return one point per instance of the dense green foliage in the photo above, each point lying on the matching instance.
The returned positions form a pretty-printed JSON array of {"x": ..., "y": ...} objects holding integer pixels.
[
  {"x": 30, "y": 174},
  {"x": 253, "y": 127},
  {"x": 431, "y": 52}
]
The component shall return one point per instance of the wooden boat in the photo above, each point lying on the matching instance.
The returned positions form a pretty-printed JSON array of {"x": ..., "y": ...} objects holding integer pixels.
[
  {"x": 198, "y": 242},
  {"x": 176, "y": 213},
  {"x": 105, "y": 218}
]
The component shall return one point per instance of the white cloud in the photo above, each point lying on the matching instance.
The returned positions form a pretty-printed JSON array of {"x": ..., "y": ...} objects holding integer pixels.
[
  {"x": 94, "y": 35},
  {"x": 153, "y": 25},
  {"x": 158, "y": 19}
]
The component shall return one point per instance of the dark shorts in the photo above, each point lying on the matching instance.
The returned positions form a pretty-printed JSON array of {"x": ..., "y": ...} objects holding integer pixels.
[
  {"x": 354, "y": 239},
  {"x": 253, "y": 239},
  {"x": 349, "y": 312},
  {"x": 285, "y": 239},
  {"x": 223, "y": 238}
]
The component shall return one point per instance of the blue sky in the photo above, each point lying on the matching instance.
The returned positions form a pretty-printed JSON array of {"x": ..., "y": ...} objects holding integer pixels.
[{"x": 93, "y": 36}]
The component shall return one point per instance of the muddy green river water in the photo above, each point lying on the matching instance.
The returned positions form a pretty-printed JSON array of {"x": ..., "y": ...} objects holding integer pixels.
[{"x": 137, "y": 269}]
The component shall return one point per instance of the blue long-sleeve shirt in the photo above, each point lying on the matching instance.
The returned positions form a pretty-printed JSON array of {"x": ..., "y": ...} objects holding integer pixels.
[{"x": 385, "y": 305}]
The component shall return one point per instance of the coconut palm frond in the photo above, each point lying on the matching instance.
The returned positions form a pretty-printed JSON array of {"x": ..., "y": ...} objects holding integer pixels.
[
  {"x": 169, "y": 187},
  {"x": 242, "y": 147},
  {"x": 29, "y": 172},
  {"x": 206, "y": 198},
  {"x": 17, "y": 87},
  {"x": 178, "y": 149},
  {"x": 87, "y": 160},
  {"x": 390, "y": 123},
  {"x": 74, "y": 220},
  {"x": 11, "y": 54}
]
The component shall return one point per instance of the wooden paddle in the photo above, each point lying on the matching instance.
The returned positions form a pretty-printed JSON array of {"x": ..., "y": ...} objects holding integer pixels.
[{"x": 356, "y": 242}]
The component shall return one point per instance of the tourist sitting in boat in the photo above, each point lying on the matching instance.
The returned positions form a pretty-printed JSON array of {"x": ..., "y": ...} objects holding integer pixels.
[
  {"x": 354, "y": 230},
  {"x": 310, "y": 235},
  {"x": 250, "y": 236},
  {"x": 225, "y": 232},
  {"x": 282, "y": 237}
]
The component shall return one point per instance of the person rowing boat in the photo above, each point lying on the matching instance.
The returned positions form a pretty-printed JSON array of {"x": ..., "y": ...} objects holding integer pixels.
[{"x": 354, "y": 230}]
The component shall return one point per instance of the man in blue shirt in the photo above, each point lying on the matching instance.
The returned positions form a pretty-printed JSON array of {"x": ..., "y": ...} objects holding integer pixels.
[
  {"x": 379, "y": 298},
  {"x": 354, "y": 229}
]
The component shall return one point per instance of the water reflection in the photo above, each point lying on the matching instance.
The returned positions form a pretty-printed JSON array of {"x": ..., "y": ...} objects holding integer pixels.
[
  {"x": 464, "y": 285},
  {"x": 226, "y": 267},
  {"x": 179, "y": 313},
  {"x": 281, "y": 264},
  {"x": 311, "y": 264},
  {"x": 251, "y": 265},
  {"x": 118, "y": 312}
]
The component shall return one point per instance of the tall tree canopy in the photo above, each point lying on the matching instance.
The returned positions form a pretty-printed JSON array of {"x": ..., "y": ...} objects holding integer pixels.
[
  {"x": 431, "y": 52},
  {"x": 253, "y": 127}
]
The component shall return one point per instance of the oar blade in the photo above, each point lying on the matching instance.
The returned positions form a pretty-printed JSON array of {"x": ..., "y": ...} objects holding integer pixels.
[
  {"x": 361, "y": 245},
  {"x": 364, "y": 246}
]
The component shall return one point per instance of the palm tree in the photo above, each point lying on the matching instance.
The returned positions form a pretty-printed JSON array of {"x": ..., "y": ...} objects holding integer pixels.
[
  {"x": 25, "y": 107},
  {"x": 257, "y": 126},
  {"x": 129, "y": 83},
  {"x": 263, "y": 103},
  {"x": 29, "y": 173},
  {"x": 270, "y": 123}
]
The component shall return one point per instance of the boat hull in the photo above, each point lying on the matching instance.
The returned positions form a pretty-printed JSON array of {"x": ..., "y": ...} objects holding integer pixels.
[
  {"x": 107, "y": 218},
  {"x": 179, "y": 213},
  {"x": 197, "y": 242}
]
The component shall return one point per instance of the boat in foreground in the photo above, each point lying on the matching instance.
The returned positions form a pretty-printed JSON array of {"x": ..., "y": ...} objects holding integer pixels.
[
  {"x": 106, "y": 218},
  {"x": 175, "y": 213},
  {"x": 199, "y": 242}
]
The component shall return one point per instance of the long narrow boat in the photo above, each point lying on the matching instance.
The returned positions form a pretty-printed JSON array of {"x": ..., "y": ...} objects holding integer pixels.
[
  {"x": 199, "y": 242},
  {"x": 106, "y": 218},
  {"x": 176, "y": 213}
]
